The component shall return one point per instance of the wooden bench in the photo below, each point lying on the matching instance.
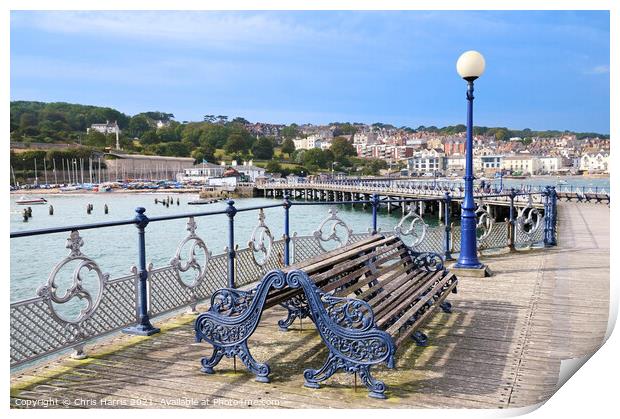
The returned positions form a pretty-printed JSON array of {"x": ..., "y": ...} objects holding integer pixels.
[{"x": 366, "y": 299}]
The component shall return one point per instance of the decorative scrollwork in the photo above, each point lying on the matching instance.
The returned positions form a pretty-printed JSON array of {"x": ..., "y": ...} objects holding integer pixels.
[
  {"x": 417, "y": 228},
  {"x": 192, "y": 262},
  {"x": 328, "y": 230},
  {"x": 529, "y": 220},
  {"x": 77, "y": 290},
  {"x": 349, "y": 312},
  {"x": 261, "y": 241},
  {"x": 485, "y": 223},
  {"x": 232, "y": 319},
  {"x": 230, "y": 301},
  {"x": 428, "y": 261}
]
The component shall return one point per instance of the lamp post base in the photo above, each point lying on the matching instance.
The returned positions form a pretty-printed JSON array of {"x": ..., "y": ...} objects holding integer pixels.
[
  {"x": 481, "y": 272},
  {"x": 141, "y": 330}
]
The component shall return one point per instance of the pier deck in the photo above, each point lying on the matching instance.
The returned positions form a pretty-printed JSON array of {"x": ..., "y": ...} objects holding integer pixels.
[{"x": 501, "y": 347}]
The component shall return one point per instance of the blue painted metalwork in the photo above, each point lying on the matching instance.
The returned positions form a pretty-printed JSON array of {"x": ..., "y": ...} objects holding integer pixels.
[
  {"x": 511, "y": 241},
  {"x": 348, "y": 328},
  {"x": 375, "y": 206},
  {"x": 550, "y": 216},
  {"x": 297, "y": 309},
  {"x": 231, "y": 211},
  {"x": 468, "y": 256},
  {"x": 447, "y": 225},
  {"x": 287, "y": 235},
  {"x": 144, "y": 328},
  {"x": 231, "y": 320}
]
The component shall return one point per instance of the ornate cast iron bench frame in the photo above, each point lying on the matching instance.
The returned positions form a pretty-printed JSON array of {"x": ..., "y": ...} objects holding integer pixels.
[{"x": 363, "y": 307}]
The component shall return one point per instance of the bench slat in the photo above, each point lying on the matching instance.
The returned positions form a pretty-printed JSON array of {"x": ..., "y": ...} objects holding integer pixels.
[
  {"x": 418, "y": 323},
  {"x": 403, "y": 319}
]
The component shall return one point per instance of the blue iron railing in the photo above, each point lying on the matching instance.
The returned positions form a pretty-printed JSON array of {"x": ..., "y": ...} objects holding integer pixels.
[{"x": 40, "y": 326}]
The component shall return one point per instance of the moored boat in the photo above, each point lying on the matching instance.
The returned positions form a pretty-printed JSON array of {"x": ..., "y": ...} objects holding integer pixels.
[{"x": 30, "y": 201}]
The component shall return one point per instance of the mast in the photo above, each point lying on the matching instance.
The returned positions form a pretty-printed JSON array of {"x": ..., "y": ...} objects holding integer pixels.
[
  {"x": 55, "y": 173},
  {"x": 82, "y": 170},
  {"x": 45, "y": 170},
  {"x": 13, "y": 173}
]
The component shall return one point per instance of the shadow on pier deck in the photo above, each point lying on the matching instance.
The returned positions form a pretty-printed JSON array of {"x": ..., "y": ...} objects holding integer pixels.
[{"x": 501, "y": 347}]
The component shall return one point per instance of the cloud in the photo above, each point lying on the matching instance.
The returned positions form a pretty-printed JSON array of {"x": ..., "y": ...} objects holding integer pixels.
[
  {"x": 599, "y": 69},
  {"x": 211, "y": 29}
]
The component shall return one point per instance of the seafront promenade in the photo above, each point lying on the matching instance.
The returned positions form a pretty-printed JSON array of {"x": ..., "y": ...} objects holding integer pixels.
[{"x": 501, "y": 347}]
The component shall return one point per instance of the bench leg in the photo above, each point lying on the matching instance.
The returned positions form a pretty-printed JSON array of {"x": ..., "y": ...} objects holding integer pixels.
[
  {"x": 420, "y": 338},
  {"x": 209, "y": 363},
  {"x": 241, "y": 350},
  {"x": 297, "y": 308},
  {"x": 259, "y": 369},
  {"x": 446, "y": 307},
  {"x": 376, "y": 388},
  {"x": 312, "y": 378}
]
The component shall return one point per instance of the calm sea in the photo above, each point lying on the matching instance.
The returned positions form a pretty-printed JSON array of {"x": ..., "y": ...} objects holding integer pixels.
[{"x": 115, "y": 248}]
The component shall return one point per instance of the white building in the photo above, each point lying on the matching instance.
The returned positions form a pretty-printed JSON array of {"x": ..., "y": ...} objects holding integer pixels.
[
  {"x": 524, "y": 164},
  {"x": 250, "y": 171},
  {"x": 455, "y": 163},
  {"x": 594, "y": 162},
  {"x": 107, "y": 128},
  {"x": 549, "y": 165},
  {"x": 427, "y": 161},
  {"x": 201, "y": 173},
  {"x": 310, "y": 142}
]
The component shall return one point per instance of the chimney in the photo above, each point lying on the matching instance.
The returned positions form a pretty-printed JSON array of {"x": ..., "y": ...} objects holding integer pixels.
[
  {"x": 251, "y": 162},
  {"x": 234, "y": 163}
]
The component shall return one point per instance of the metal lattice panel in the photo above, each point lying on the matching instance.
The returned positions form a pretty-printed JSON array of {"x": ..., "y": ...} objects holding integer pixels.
[
  {"x": 525, "y": 239},
  {"x": 216, "y": 277},
  {"x": 497, "y": 237},
  {"x": 433, "y": 241},
  {"x": 248, "y": 271},
  {"x": 166, "y": 291},
  {"x": 455, "y": 239},
  {"x": 305, "y": 247},
  {"x": 37, "y": 331}
]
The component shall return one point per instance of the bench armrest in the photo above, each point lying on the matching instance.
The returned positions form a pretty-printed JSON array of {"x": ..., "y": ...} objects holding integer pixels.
[
  {"x": 230, "y": 301},
  {"x": 234, "y": 314},
  {"x": 346, "y": 325}
]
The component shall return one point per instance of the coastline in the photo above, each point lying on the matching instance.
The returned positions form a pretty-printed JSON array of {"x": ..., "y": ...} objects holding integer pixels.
[{"x": 57, "y": 191}]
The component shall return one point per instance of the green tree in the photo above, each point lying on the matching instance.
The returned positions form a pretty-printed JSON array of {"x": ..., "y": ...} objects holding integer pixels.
[
  {"x": 203, "y": 153},
  {"x": 95, "y": 139},
  {"x": 263, "y": 148},
  {"x": 273, "y": 167},
  {"x": 342, "y": 150},
  {"x": 290, "y": 132},
  {"x": 150, "y": 137},
  {"x": 316, "y": 158},
  {"x": 138, "y": 125},
  {"x": 288, "y": 147},
  {"x": 501, "y": 134},
  {"x": 235, "y": 144}
]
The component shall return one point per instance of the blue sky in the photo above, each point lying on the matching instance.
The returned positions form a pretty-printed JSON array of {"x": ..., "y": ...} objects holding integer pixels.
[{"x": 545, "y": 70}]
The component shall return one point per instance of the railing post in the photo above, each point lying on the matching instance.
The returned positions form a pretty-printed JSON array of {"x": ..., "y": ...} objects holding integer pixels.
[
  {"x": 231, "y": 211},
  {"x": 144, "y": 327},
  {"x": 554, "y": 225},
  {"x": 551, "y": 210},
  {"x": 446, "y": 216},
  {"x": 375, "y": 205},
  {"x": 511, "y": 240},
  {"x": 287, "y": 236}
]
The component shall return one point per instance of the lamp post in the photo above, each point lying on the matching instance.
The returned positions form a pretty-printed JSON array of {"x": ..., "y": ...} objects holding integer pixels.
[{"x": 470, "y": 66}]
